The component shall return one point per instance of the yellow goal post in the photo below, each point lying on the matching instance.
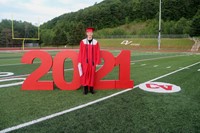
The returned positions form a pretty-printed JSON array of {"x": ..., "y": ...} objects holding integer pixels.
[{"x": 23, "y": 39}]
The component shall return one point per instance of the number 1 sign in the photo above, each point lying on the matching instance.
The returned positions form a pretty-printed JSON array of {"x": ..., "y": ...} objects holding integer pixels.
[{"x": 32, "y": 82}]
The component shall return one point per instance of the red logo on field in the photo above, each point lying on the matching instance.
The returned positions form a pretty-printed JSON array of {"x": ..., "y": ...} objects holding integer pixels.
[
  {"x": 156, "y": 86},
  {"x": 159, "y": 87}
]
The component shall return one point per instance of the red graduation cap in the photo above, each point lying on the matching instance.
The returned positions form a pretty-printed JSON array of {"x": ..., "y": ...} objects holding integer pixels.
[{"x": 90, "y": 29}]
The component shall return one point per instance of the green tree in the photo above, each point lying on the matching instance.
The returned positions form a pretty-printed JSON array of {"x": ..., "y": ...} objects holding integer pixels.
[
  {"x": 60, "y": 37},
  {"x": 21, "y": 30},
  {"x": 182, "y": 26},
  {"x": 195, "y": 26},
  {"x": 168, "y": 27},
  {"x": 47, "y": 36}
]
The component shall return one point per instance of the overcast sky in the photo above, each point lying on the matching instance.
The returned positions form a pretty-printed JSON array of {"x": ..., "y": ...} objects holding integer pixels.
[{"x": 40, "y": 10}]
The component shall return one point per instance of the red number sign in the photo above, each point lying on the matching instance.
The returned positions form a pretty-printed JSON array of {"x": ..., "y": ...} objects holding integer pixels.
[
  {"x": 58, "y": 70},
  {"x": 32, "y": 81},
  {"x": 109, "y": 63}
]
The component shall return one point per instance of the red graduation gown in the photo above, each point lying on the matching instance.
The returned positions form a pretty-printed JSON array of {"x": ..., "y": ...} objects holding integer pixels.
[{"x": 89, "y": 57}]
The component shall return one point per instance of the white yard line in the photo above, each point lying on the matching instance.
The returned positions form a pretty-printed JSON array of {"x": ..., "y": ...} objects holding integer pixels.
[{"x": 87, "y": 104}]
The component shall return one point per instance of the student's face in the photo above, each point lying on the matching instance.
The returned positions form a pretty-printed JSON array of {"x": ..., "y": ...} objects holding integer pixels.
[{"x": 89, "y": 34}]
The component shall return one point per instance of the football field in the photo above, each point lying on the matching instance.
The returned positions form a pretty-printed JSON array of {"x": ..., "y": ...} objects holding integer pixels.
[{"x": 130, "y": 110}]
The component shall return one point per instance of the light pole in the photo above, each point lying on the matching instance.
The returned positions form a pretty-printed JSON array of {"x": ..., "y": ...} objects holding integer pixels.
[{"x": 159, "y": 34}]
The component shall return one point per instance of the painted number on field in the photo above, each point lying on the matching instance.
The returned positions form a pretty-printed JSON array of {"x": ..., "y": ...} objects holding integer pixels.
[
  {"x": 159, "y": 87},
  {"x": 7, "y": 74}
]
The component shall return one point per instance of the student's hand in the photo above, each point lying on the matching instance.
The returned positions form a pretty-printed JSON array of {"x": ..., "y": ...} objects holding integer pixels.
[{"x": 80, "y": 69}]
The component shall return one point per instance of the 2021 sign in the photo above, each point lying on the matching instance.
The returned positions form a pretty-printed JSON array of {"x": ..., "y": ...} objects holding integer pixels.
[{"x": 33, "y": 82}]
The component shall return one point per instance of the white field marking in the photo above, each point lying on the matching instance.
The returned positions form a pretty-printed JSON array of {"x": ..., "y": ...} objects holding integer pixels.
[
  {"x": 11, "y": 84},
  {"x": 198, "y": 70},
  {"x": 17, "y": 76},
  {"x": 156, "y": 87},
  {"x": 24, "y": 75},
  {"x": 131, "y": 61},
  {"x": 169, "y": 67},
  {"x": 155, "y": 66},
  {"x": 158, "y": 58},
  {"x": 18, "y": 64},
  {"x": 182, "y": 67},
  {"x": 143, "y": 65},
  {"x": 187, "y": 68},
  {"x": 5, "y": 74},
  {"x": 87, "y": 104}
]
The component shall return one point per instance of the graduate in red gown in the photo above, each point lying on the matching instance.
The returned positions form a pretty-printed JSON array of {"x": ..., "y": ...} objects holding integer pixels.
[{"x": 89, "y": 57}]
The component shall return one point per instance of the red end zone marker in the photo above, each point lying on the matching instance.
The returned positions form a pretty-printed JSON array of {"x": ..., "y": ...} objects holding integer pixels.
[{"x": 159, "y": 87}]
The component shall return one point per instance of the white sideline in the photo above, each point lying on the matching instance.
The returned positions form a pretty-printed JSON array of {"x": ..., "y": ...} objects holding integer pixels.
[{"x": 87, "y": 104}]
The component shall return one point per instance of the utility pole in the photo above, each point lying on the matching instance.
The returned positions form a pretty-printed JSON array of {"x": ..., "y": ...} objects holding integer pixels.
[{"x": 159, "y": 34}]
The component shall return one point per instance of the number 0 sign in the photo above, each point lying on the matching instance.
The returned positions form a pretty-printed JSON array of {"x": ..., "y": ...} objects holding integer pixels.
[{"x": 33, "y": 81}]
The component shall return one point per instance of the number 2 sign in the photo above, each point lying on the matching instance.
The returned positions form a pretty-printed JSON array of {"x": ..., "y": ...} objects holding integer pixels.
[{"x": 33, "y": 81}]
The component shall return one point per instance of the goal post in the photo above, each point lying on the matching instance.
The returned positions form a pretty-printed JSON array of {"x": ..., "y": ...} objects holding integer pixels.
[{"x": 23, "y": 38}]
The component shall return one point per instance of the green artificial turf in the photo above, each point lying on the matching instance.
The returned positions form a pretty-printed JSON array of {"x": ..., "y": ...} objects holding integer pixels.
[{"x": 134, "y": 111}]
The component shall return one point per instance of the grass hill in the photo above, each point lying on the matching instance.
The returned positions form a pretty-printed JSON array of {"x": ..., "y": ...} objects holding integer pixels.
[
  {"x": 178, "y": 18},
  {"x": 167, "y": 44},
  {"x": 149, "y": 27}
]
